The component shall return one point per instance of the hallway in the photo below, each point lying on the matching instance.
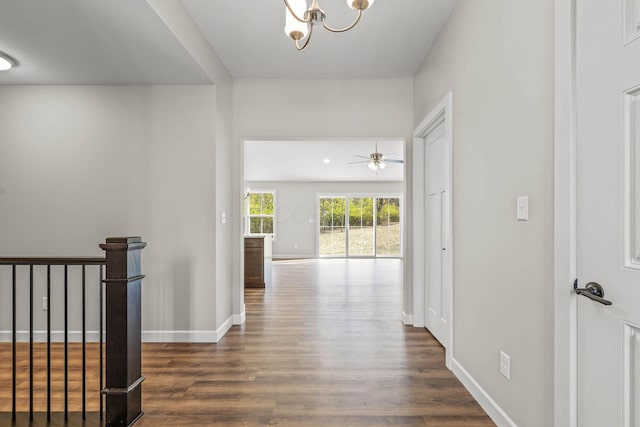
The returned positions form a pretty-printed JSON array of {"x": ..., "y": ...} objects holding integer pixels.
[{"x": 323, "y": 346}]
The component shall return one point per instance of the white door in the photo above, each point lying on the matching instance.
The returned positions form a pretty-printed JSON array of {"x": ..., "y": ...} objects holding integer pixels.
[
  {"x": 437, "y": 291},
  {"x": 608, "y": 210}
]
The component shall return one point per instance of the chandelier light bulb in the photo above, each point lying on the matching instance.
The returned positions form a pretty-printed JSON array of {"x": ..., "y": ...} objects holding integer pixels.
[
  {"x": 293, "y": 28},
  {"x": 6, "y": 62},
  {"x": 301, "y": 19},
  {"x": 360, "y": 4}
]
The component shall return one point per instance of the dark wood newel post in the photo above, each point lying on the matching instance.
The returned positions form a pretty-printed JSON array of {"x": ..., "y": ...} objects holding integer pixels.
[{"x": 123, "y": 325}]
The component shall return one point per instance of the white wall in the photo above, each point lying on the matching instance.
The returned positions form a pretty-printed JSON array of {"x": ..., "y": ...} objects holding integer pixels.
[
  {"x": 181, "y": 23},
  {"x": 296, "y": 204},
  {"x": 497, "y": 58},
  {"x": 79, "y": 163},
  {"x": 311, "y": 109}
]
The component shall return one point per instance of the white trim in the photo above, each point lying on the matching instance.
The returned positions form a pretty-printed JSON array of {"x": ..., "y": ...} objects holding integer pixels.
[
  {"x": 630, "y": 334},
  {"x": 565, "y": 310},
  {"x": 631, "y": 236},
  {"x": 224, "y": 328},
  {"x": 239, "y": 319},
  {"x": 631, "y": 20},
  {"x": 248, "y": 216},
  {"x": 442, "y": 112},
  {"x": 147, "y": 336},
  {"x": 56, "y": 336},
  {"x": 188, "y": 336},
  {"x": 495, "y": 412},
  {"x": 179, "y": 336},
  {"x": 407, "y": 319},
  {"x": 296, "y": 256}
]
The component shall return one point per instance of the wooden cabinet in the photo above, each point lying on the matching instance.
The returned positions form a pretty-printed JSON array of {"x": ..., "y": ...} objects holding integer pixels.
[{"x": 257, "y": 262}]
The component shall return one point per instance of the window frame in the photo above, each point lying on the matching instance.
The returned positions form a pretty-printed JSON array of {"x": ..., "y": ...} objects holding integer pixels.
[
  {"x": 248, "y": 216},
  {"x": 348, "y": 197}
]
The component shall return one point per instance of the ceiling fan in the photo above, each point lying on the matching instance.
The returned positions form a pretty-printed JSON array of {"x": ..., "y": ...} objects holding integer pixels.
[{"x": 377, "y": 161}]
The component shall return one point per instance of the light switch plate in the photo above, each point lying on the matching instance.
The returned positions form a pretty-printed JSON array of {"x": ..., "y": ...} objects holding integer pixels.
[
  {"x": 505, "y": 365},
  {"x": 522, "y": 208}
]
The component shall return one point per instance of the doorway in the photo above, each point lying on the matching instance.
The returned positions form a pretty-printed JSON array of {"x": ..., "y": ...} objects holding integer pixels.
[
  {"x": 597, "y": 357},
  {"x": 433, "y": 213},
  {"x": 296, "y": 171}
]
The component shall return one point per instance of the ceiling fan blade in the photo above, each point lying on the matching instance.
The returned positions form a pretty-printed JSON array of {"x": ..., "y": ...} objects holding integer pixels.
[
  {"x": 364, "y": 157},
  {"x": 391, "y": 155},
  {"x": 353, "y": 163},
  {"x": 393, "y": 161}
]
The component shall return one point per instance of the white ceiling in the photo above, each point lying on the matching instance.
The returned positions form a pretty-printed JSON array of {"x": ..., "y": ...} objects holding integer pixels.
[
  {"x": 92, "y": 42},
  {"x": 391, "y": 40},
  {"x": 304, "y": 160},
  {"x": 125, "y": 42}
]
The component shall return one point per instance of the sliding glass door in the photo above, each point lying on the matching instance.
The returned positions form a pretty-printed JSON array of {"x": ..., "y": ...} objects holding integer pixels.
[
  {"x": 388, "y": 232},
  {"x": 361, "y": 232},
  {"x": 332, "y": 226},
  {"x": 359, "y": 226}
]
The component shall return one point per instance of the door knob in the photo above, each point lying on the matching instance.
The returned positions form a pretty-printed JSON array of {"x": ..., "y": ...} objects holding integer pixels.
[{"x": 592, "y": 291}]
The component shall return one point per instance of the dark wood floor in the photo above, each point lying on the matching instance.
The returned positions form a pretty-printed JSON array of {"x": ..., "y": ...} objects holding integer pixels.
[{"x": 323, "y": 346}]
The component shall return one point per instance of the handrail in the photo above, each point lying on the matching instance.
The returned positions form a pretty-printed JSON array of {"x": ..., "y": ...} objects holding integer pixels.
[{"x": 52, "y": 261}]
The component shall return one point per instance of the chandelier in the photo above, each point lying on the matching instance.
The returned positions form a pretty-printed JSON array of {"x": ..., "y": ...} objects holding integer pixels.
[{"x": 300, "y": 20}]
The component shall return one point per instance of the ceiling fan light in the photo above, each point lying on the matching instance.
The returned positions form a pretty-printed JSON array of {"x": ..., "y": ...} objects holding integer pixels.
[
  {"x": 293, "y": 28},
  {"x": 381, "y": 165},
  {"x": 373, "y": 166},
  {"x": 360, "y": 4}
]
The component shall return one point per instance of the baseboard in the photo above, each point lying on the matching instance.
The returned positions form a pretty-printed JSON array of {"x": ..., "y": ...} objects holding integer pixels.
[
  {"x": 188, "y": 336},
  {"x": 489, "y": 405},
  {"x": 147, "y": 336},
  {"x": 407, "y": 319},
  {"x": 56, "y": 336},
  {"x": 222, "y": 330},
  {"x": 239, "y": 319},
  {"x": 180, "y": 336},
  {"x": 298, "y": 256}
]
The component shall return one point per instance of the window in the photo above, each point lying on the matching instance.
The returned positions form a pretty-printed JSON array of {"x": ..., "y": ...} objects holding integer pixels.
[
  {"x": 261, "y": 212},
  {"x": 359, "y": 226}
]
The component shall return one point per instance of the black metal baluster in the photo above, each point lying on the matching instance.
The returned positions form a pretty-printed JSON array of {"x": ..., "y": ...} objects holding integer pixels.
[
  {"x": 101, "y": 340},
  {"x": 31, "y": 342},
  {"x": 49, "y": 342},
  {"x": 84, "y": 345},
  {"x": 66, "y": 344},
  {"x": 13, "y": 338}
]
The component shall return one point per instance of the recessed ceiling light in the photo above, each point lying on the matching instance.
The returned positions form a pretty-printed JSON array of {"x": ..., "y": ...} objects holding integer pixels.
[
  {"x": 325, "y": 161},
  {"x": 6, "y": 62}
]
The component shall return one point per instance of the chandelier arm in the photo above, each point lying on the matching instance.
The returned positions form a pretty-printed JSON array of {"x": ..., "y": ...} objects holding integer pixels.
[
  {"x": 286, "y": 3},
  {"x": 342, "y": 30},
  {"x": 306, "y": 42}
]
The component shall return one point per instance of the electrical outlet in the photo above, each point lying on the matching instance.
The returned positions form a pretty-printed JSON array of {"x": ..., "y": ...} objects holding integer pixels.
[
  {"x": 45, "y": 303},
  {"x": 505, "y": 365}
]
